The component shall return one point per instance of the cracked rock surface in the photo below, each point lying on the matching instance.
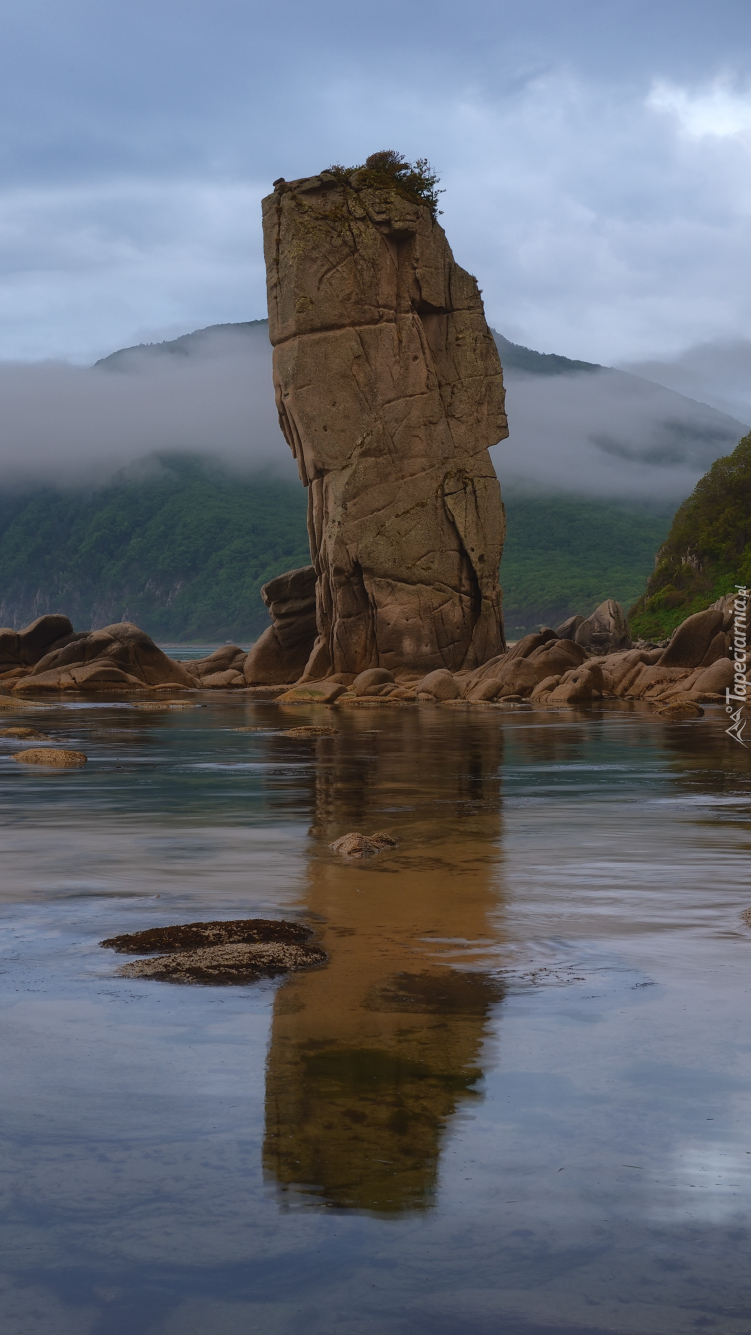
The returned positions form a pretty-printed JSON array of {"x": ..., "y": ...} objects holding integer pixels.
[{"x": 390, "y": 391}]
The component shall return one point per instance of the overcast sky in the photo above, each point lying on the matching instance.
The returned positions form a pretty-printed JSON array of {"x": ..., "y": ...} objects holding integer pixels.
[{"x": 595, "y": 156}]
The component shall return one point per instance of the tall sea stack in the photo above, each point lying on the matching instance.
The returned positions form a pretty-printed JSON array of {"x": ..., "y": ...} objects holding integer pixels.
[{"x": 390, "y": 391}]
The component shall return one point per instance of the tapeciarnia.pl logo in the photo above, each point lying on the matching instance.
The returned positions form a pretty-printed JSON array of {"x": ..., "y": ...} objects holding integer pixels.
[{"x": 738, "y": 693}]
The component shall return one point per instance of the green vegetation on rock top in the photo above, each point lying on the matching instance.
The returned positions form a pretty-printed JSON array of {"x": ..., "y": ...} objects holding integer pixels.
[
  {"x": 708, "y": 549},
  {"x": 389, "y": 170}
]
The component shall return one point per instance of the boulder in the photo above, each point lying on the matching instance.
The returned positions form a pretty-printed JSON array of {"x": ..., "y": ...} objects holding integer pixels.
[
  {"x": 681, "y": 709},
  {"x": 390, "y": 391},
  {"x": 52, "y": 757},
  {"x": 575, "y": 687},
  {"x": 100, "y": 675},
  {"x": 318, "y": 692},
  {"x": 222, "y": 681},
  {"x": 516, "y": 677},
  {"x": 525, "y": 647},
  {"x": 567, "y": 629},
  {"x": 440, "y": 685},
  {"x": 357, "y": 845},
  {"x": 228, "y": 658},
  {"x": 372, "y": 681},
  {"x": 718, "y": 648},
  {"x": 649, "y": 678},
  {"x": 284, "y": 648},
  {"x": 617, "y": 667},
  {"x": 543, "y": 690},
  {"x": 716, "y": 678},
  {"x": 606, "y": 630},
  {"x": 25, "y": 647},
  {"x": 485, "y": 690},
  {"x": 691, "y": 640},
  {"x": 119, "y": 655},
  {"x": 555, "y": 658}
]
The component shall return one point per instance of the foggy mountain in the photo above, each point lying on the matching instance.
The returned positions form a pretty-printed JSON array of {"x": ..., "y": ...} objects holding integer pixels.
[
  {"x": 156, "y": 486},
  {"x": 575, "y": 427}
]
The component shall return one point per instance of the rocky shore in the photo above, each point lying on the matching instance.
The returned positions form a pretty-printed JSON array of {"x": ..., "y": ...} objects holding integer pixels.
[{"x": 584, "y": 660}]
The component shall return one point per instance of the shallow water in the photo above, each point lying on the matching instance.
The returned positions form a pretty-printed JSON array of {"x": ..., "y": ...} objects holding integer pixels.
[{"x": 515, "y": 1100}]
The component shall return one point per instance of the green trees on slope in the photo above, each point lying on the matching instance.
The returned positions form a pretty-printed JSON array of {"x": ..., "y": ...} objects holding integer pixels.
[
  {"x": 178, "y": 544},
  {"x": 566, "y": 554},
  {"x": 181, "y": 546},
  {"x": 708, "y": 549}
]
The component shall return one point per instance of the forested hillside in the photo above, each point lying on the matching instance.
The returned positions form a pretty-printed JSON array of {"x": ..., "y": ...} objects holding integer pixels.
[
  {"x": 566, "y": 554},
  {"x": 182, "y": 540},
  {"x": 181, "y": 545},
  {"x": 177, "y": 544},
  {"x": 708, "y": 549}
]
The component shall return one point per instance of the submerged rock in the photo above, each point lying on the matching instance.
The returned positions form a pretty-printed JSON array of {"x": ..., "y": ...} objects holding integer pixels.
[
  {"x": 681, "y": 709},
  {"x": 25, "y": 734},
  {"x": 310, "y": 731},
  {"x": 216, "y": 965},
  {"x": 318, "y": 692},
  {"x": 52, "y": 758},
  {"x": 363, "y": 846},
  {"x": 239, "y": 950},
  {"x": 196, "y": 935}
]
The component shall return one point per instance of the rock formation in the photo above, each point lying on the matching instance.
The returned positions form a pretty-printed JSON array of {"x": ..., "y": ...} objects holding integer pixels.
[
  {"x": 284, "y": 648},
  {"x": 390, "y": 391},
  {"x": 49, "y": 656},
  {"x": 545, "y": 668}
]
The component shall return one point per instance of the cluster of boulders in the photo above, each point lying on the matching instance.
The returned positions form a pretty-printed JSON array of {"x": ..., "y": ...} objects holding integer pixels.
[
  {"x": 582, "y": 660},
  {"x": 49, "y": 655}
]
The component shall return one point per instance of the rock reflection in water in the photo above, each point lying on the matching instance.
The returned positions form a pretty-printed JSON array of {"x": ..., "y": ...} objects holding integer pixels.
[{"x": 371, "y": 1056}]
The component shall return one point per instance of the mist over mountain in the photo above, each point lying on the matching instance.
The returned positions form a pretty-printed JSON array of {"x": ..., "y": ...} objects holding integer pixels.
[
  {"x": 575, "y": 427},
  {"x": 157, "y": 486}
]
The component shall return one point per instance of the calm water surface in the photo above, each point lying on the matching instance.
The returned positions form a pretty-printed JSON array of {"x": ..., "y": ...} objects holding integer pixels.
[{"x": 515, "y": 1101}]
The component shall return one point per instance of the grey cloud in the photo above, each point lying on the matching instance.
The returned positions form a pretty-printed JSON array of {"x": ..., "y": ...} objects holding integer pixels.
[
  {"x": 598, "y": 432},
  {"x": 718, "y": 373},
  {"x": 138, "y": 141},
  {"x": 78, "y": 425},
  {"x": 608, "y": 434}
]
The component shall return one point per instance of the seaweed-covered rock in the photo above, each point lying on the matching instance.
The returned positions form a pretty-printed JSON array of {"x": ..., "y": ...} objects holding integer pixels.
[
  {"x": 52, "y": 757},
  {"x": 197, "y": 935},
  {"x": 357, "y": 845},
  {"x": 220, "y": 965}
]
